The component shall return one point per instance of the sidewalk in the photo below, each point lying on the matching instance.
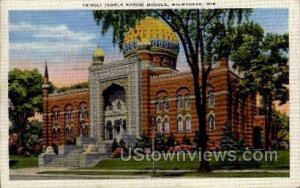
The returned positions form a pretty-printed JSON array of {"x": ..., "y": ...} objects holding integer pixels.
[{"x": 34, "y": 171}]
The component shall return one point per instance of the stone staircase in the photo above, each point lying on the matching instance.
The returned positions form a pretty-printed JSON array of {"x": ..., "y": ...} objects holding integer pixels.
[{"x": 71, "y": 159}]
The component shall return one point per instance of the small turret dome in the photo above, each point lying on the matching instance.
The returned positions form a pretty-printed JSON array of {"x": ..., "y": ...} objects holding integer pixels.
[{"x": 98, "y": 55}]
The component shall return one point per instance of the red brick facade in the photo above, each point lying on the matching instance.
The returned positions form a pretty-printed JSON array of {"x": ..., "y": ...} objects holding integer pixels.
[
  {"x": 168, "y": 102},
  {"x": 227, "y": 107},
  {"x": 66, "y": 113},
  {"x": 167, "y": 96}
]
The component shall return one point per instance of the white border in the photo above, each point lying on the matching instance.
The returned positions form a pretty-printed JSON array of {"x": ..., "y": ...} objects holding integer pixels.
[{"x": 293, "y": 181}]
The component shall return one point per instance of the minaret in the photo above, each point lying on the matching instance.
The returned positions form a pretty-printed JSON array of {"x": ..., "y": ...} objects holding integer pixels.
[{"x": 45, "y": 87}]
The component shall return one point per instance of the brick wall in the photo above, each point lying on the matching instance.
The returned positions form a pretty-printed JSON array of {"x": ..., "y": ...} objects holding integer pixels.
[{"x": 60, "y": 102}]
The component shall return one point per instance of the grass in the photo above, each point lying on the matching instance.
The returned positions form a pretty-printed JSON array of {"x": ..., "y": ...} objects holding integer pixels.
[
  {"x": 283, "y": 161},
  {"x": 239, "y": 174},
  {"x": 86, "y": 172},
  {"x": 17, "y": 161},
  {"x": 172, "y": 174},
  {"x": 118, "y": 164}
]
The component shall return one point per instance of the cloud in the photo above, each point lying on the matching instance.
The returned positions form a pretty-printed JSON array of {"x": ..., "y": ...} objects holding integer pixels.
[
  {"x": 40, "y": 40},
  {"x": 60, "y": 32}
]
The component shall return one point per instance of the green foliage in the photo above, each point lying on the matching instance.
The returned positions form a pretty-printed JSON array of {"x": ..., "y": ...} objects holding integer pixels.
[
  {"x": 25, "y": 94},
  {"x": 143, "y": 142},
  {"x": 72, "y": 87},
  {"x": 170, "y": 141},
  {"x": 282, "y": 126},
  {"x": 186, "y": 140},
  {"x": 33, "y": 135},
  {"x": 115, "y": 145},
  {"x": 159, "y": 142},
  {"x": 229, "y": 142}
]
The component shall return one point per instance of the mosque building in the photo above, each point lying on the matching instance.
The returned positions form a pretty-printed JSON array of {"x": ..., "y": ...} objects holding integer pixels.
[{"x": 127, "y": 99}]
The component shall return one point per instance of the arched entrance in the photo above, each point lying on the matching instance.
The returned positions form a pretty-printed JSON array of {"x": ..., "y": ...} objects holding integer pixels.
[{"x": 115, "y": 112}]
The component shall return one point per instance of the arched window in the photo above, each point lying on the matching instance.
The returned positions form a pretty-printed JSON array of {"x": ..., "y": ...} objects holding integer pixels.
[
  {"x": 166, "y": 125},
  {"x": 55, "y": 115},
  {"x": 58, "y": 134},
  {"x": 68, "y": 114},
  {"x": 159, "y": 125},
  {"x": 166, "y": 103},
  {"x": 187, "y": 101},
  {"x": 83, "y": 112},
  {"x": 188, "y": 124},
  {"x": 69, "y": 133},
  {"x": 211, "y": 122},
  {"x": 180, "y": 124},
  {"x": 54, "y": 134},
  {"x": 211, "y": 98},
  {"x": 86, "y": 131},
  {"x": 158, "y": 104},
  {"x": 179, "y": 102}
]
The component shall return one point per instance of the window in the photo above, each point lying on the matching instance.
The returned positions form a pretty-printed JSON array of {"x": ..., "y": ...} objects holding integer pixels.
[
  {"x": 211, "y": 98},
  {"x": 159, "y": 125},
  {"x": 55, "y": 116},
  {"x": 58, "y": 134},
  {"x": 187, "y": 101},
  {"x": 54, "y": 134},
  {"x": 167, "y": 125},
  {"x": 69, "y": 133},
  {"x": 211, "y": 122},
  {"x": 158, "y": 104},
  {"x": 188, "y": 124},
  {"x": 69, "y": 114},
  {"x": 83, "y": 112},
  {"x": 109, "y": 130},
  {"x": 180, "y": 124},
  {"x": 179, "y": 102},
  {"x": 119, "y": 105},
  {"x": 166, "y": 104}
]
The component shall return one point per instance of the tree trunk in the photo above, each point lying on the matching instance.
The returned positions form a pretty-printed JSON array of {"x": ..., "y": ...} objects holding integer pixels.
[
  {"x": 267, "y": 124},
  {"x": 270, "y": 120},
  {"x": 201, "y": 114}
]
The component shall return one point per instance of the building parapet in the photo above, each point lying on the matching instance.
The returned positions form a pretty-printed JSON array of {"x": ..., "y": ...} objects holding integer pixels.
[
  {"x": 69, "y": 92},
  {"x": 168, "y": 75},
  {"x": 113, "y": 64}
]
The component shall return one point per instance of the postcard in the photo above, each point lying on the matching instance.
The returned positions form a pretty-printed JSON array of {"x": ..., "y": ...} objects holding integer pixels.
[{"x": 148, "y": 93}]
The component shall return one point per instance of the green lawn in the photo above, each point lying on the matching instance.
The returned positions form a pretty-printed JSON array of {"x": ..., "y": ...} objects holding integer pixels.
[
  {"x": 118, "y": 164},
  {"x": 17, "y": 161},
  {"x": 283, "y": 161}
]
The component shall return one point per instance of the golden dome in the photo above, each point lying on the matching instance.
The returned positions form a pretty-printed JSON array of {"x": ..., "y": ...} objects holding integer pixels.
[
  {"x": 150, "y": 28},
  {"x": 153, "y": 35},
  {"x": 98, "y": 52},
  {"x": 98, "y": 55}
]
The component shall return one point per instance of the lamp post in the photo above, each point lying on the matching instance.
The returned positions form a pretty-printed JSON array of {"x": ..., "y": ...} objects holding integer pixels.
[{"x": 153, "y": 137}]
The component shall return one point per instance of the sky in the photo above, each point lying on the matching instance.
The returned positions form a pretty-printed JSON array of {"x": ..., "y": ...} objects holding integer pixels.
[{"x": 66, "y": 39}]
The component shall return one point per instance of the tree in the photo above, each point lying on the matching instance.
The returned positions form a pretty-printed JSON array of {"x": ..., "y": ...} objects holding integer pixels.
[
  {"x": 204, "y": 34},
  {"x": 281, "y": 130},
  {"x": 25, "y": 94},
  {"x": 263, "y": 62}
]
